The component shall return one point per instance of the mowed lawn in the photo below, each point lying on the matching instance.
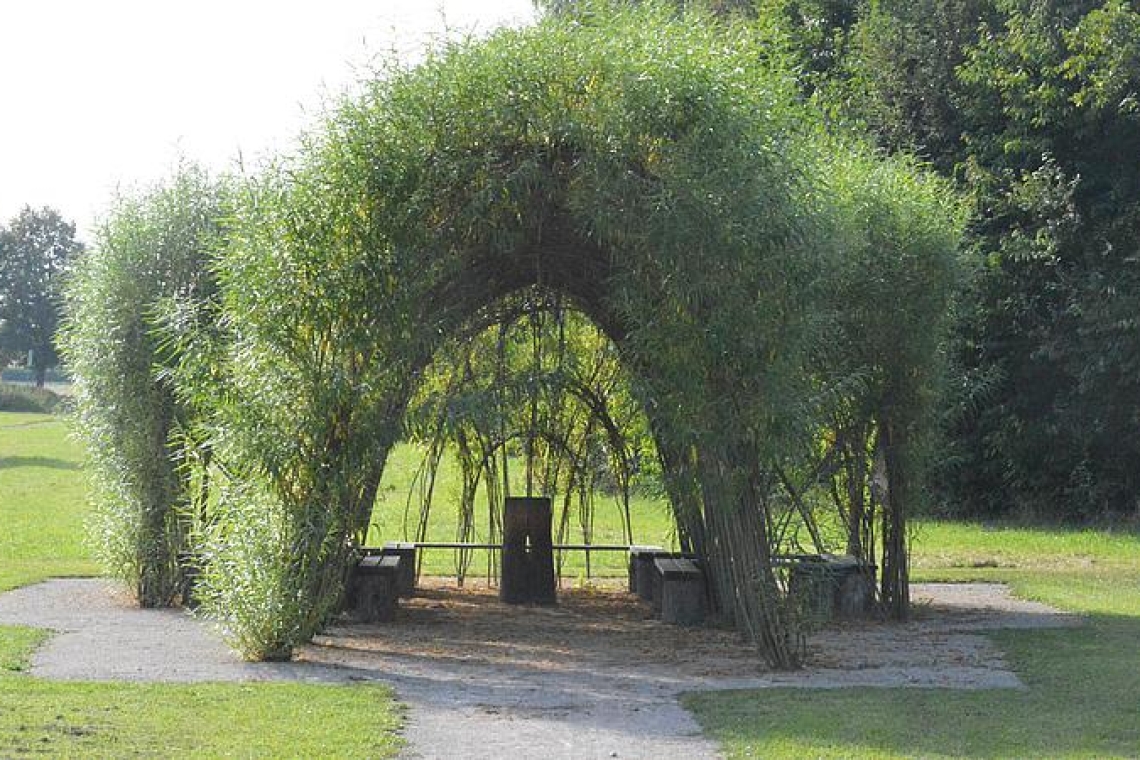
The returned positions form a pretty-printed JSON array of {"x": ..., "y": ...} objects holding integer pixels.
[
  {"x": 42, "y": 506},
  {"x": 43, "y": 501},
  {"x": 1083, "y": 685}
]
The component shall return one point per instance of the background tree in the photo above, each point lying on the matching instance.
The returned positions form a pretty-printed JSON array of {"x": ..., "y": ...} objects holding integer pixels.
[
  {"x": 1032, "y": 108},
  {"x": 35, "y": 249},
  {"x": 1051, "y": 410}
]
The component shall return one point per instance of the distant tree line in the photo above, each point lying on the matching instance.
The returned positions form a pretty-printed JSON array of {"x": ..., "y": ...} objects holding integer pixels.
[
  {"x": 36, "y": 247},
  {"x": 1033, "y": 108}
]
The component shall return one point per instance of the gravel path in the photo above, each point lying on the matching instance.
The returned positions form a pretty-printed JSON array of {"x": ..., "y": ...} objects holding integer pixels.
[
  {"x": 592, "y": 677},
  {"x": 101, "y": 636}
]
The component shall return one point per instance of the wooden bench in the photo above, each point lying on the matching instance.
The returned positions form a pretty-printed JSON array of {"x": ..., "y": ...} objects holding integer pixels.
[
  {"x": 682, "y": 591},
  {"x": 644, "y": 580},
  {"x": 373, "y": 588}
]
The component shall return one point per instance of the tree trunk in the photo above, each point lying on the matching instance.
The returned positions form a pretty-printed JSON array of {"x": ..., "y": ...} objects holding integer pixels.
[
  {"x": 895, "y": 584},
  {"x": 740, "y": 559}
]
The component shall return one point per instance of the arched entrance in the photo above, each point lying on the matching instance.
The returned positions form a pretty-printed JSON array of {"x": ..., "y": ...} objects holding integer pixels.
[{"x": 767, "y": 286}]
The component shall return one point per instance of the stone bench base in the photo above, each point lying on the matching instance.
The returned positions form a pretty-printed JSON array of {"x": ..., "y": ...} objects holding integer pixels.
[
  {"x": 682, "y": 594},
  {"x": 373, "y": 589},
  {"x": 407, "y": 553},
  {"x": 641, "y": 569},
  {"x": 832, "y": 588}
]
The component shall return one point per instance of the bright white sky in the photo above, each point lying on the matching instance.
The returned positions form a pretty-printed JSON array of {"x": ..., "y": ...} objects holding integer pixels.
[{"x": 100, "y": 95}]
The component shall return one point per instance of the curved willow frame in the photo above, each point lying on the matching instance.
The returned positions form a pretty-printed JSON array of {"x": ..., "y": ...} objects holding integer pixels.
[{"x": 656, "y": 171}]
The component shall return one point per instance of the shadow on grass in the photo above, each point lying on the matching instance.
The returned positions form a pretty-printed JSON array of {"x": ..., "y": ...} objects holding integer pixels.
[
  {"x": 52, "y": 463},
  {"x": 1082, "y": 698}
]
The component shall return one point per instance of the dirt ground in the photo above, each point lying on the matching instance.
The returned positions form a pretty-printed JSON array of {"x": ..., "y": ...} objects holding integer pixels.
[
  {"x": 601, "y": 628},
  {"x": 598, "y": 676}
]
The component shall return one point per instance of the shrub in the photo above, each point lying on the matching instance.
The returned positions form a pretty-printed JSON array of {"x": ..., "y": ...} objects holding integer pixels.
[{"x": 153, "y": 247}]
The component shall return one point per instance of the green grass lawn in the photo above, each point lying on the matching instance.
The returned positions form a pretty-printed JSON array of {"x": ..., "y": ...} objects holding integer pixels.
[
  {"x": 1083, "y": 685},
  {"x": 43, "y": 501},
  {"x": 42, "y": 506}
]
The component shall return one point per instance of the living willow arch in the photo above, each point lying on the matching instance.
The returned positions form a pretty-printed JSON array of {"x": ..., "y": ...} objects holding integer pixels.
[{"x": 657, "y": 171}]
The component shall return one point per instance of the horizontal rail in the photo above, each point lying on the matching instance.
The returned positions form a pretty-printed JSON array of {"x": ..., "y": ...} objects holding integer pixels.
[
  {"x": 778, "y": 559},
  {"x": 468, "y": 545}
]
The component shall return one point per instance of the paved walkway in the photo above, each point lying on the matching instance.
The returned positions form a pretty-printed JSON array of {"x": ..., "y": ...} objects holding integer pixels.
[{"x": 101, "y": 636}]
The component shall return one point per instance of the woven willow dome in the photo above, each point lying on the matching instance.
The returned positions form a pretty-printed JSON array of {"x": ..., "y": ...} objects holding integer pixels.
[{"x": 656, "y": 171}]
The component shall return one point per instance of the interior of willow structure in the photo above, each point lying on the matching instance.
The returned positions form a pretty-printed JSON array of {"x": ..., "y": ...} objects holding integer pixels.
[{"x": 530, "y": 398}]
